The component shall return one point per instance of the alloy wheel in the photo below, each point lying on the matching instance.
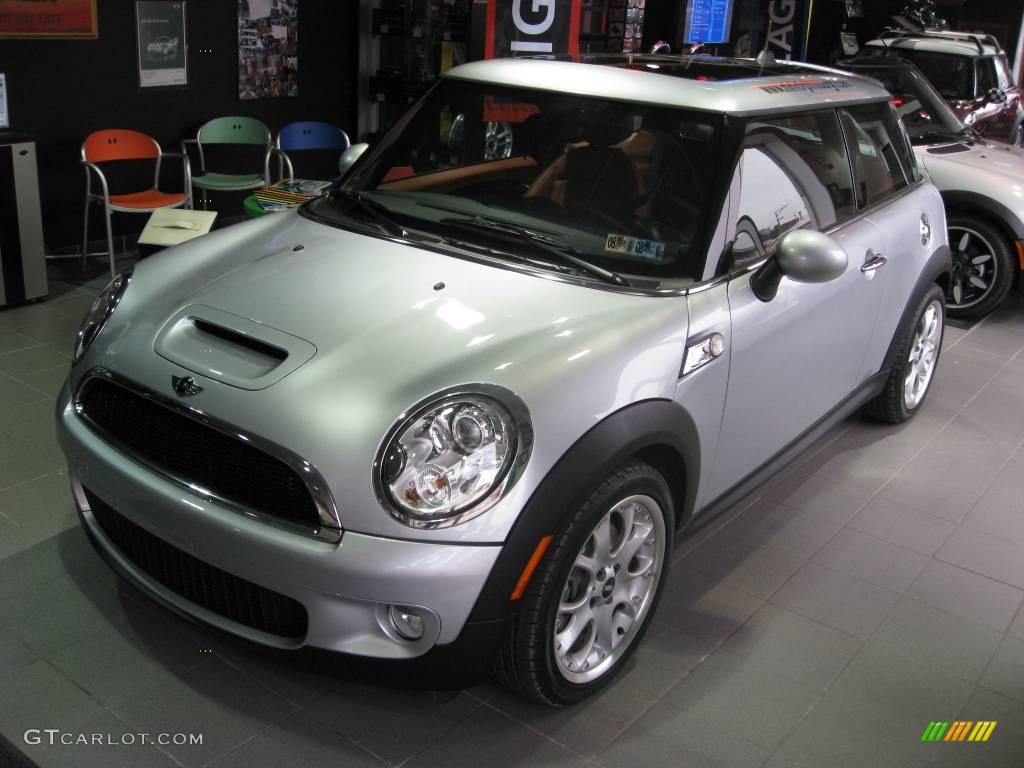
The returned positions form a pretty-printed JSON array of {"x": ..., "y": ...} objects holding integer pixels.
[
  {"x": 497, "y": 141},
  {"x": 609, "y": 589},
  {"x": 924, "y": 351},
  {"x": 975, "y": 267}
]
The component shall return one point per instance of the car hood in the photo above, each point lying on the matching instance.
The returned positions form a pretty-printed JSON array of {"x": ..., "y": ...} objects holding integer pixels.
[
  {"x": 959, "y": 165},
  {"x": 357, "y": 297},
  {"x": 377, "y": 326}
]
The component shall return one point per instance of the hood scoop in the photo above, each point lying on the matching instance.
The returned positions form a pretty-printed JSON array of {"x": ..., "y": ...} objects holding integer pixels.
[
  {"x": 229, "y": 348},
  {"x": 950, "y": 149}
]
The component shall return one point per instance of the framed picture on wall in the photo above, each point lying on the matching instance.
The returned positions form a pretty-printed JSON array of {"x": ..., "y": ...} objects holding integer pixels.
[
  {"x": 57, "y": 18},
  {"x": 162, "y": 50},
  {"x": 268, "y": 49}
]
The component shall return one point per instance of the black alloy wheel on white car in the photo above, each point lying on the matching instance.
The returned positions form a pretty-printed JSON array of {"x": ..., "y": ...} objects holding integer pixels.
[
  {"x": 591, "y": 599},
  {"x": 983, "y": 266}
]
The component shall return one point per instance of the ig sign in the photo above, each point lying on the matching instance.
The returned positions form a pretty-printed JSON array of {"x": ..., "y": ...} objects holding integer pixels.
[{"x": 524, "y": 27}]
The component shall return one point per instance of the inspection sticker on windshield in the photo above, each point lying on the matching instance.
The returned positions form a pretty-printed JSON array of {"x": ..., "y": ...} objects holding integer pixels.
[{"x": 648, "y": 250}]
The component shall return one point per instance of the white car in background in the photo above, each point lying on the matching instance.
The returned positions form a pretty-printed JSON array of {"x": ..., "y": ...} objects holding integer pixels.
[
  {"x": 981, "y": 182},
  {"x": 163, "y": 46},
  {"x": 970, "y": 71}
]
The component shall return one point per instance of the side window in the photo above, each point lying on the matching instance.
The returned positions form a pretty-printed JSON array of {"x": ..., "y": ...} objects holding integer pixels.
[
  {"x": 985, "y": 72},
  {"x": 795, "y": 175},
  {"x": 877, "y": 146}
]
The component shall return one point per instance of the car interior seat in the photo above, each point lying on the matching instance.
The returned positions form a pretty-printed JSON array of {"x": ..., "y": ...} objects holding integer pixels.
[{"x": 594, "y": 178}]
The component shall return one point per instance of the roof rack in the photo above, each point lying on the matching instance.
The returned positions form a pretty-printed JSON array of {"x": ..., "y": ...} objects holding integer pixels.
[{"x": 979, "y": 40}]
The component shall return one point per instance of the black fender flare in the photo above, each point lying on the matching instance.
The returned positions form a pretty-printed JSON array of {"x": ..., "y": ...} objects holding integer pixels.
[
  {"x": 938, "y": 266},
  {"x": 959, "y": 200},
  {"x": 644, "y": 426}
]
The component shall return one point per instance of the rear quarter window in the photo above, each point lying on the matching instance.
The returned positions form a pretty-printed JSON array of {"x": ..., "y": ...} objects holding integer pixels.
[{"x": 882, "y": 160}]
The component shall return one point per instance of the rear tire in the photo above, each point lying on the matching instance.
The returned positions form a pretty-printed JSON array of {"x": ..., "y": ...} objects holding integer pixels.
[
  {"x": 975, "y": 289},
  {"x": 592, "y": 597},
  {"x": 917, "y": 357}
]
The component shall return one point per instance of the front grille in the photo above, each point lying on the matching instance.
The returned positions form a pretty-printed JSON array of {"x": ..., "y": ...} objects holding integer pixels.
[
  {"x": 207, "y": 586},
  {"x": 198, "y": 454}
]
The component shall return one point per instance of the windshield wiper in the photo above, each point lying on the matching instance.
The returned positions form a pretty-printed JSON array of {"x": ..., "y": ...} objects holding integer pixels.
[
  {"x": 549, "y": 245},
  {"x": 378, "y": 212}
]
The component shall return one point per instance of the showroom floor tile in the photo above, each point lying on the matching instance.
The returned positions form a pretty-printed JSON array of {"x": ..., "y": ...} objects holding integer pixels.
[{"x": 874, "y": 586}]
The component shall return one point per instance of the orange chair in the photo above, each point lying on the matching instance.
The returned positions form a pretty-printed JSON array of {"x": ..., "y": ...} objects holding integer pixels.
[{"x": 117, "y": 144}]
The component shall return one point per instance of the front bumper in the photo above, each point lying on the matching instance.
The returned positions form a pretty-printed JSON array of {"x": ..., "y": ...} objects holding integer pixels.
[{"x": 345, "y": 588}]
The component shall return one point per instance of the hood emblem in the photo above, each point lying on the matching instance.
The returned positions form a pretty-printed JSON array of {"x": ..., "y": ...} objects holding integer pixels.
[{"x": 185, "y": 386}]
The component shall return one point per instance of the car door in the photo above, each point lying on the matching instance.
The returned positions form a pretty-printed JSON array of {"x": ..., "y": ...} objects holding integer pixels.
[
  {"x": 908, "y": 214},
  {"x": 797, "y": 356}
]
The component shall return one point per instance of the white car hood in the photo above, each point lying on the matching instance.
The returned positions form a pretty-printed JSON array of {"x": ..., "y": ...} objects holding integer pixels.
[{"x": 993, "y": 170}]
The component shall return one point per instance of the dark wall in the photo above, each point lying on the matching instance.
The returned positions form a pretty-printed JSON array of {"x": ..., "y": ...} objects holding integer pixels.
[{"x": 61, "y": 90}]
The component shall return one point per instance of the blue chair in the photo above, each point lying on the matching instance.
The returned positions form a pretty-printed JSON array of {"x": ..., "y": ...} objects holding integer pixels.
[{"x": 307, "y": 135}]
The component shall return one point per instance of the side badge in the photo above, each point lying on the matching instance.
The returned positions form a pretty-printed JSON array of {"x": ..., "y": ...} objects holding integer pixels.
[
  {"x": 926, "y": 230},
  {"x": 185, "y": 386}
]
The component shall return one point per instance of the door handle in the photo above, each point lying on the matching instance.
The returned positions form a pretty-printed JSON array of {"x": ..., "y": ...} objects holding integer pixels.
[{"x": 872, "y": 261}]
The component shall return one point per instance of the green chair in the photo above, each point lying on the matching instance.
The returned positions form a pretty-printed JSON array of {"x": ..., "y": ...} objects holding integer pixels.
[{"x": 230, "y": 130}]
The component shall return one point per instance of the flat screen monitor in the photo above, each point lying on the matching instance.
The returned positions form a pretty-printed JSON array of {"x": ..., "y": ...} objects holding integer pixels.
[
  {"x": 707, "y": 21},
  {"x": 5, "y": 118}
]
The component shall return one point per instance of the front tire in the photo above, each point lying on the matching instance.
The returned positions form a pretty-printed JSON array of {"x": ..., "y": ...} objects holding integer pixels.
[
  {"x": 590, "y": 601},
  {"x": 916, "y": 360},
  {"x": 983, "y": 266}
]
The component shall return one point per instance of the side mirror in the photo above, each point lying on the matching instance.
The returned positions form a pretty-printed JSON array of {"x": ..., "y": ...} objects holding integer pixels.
[
  {"x": 349, "y": 156},
  {"x": 996, "y": 95},
  {"x": 803, "y": 255}
]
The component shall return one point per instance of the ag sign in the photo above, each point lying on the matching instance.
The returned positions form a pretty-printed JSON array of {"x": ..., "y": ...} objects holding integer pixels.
[
  {"x": 787, "y": 22},
  {"x": 523, "y": 27}
]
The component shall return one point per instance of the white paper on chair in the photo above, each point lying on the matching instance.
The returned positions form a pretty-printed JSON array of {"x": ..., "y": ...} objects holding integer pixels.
[{"x": 171, "y": 226}]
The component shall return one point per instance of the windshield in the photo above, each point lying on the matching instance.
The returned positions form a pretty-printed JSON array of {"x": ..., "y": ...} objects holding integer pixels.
[
  {"x": 927, "y": 117},
  {"x": 551, "y": 176},
  {"x": 952, "y": 75}
]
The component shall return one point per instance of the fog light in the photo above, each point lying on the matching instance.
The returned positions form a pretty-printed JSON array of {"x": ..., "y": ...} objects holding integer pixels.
[{"x": 408, "y": 622}]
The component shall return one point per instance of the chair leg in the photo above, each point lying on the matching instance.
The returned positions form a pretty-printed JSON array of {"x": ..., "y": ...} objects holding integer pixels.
[
  {"x": 85, "y": 235},
  {"x": 110, "y": 243}
]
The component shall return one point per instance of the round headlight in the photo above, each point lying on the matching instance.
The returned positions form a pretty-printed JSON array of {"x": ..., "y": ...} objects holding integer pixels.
[
  {"x": 100, "y": 311},
  {"x": 453, "y": 458}
]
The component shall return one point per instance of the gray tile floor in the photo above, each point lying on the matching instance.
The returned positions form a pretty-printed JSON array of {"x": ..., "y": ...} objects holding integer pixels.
[{"x": 873, "y": 587}]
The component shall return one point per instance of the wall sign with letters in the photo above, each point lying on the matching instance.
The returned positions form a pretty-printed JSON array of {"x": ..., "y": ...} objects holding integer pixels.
[
  {"x": 787, "y": 28},
  {"x": 56, "y": 18},
  {"x": 531, "y": 27}
]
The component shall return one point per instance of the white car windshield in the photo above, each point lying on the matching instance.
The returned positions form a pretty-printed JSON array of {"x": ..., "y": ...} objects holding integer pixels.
[
  {"x": 628, "y": 187},
  {"x": 927, "y": 117}
]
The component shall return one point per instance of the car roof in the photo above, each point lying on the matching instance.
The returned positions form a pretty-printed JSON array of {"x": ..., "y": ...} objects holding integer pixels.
[
  {"x": 934, "y": 41},
  {"x": 708, "y": 83}
]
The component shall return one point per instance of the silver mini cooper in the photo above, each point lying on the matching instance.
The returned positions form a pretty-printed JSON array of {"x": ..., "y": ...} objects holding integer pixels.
[{"x": 456, "y": 411}]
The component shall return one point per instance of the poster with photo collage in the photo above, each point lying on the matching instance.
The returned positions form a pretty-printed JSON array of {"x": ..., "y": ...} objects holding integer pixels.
[
  {"x": 268, "y": 42},
  {"x": 625, "y": 25}
]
